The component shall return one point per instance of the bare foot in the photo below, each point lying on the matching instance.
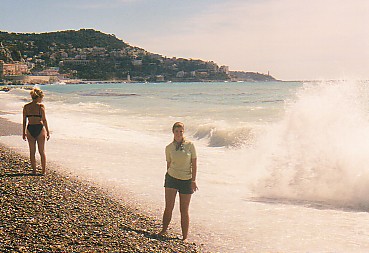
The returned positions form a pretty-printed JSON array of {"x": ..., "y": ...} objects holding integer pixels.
[{"x": 162, "y": 233}]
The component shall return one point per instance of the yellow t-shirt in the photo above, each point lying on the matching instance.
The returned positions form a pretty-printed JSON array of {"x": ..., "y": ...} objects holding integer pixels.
[{"x": 180, "y": 160}]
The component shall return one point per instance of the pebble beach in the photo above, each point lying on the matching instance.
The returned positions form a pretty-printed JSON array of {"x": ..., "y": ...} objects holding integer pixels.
[{"x": 58, "y": 213}]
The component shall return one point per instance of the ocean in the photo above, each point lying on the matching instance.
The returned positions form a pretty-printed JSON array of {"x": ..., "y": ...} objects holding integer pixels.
[{"x": 282, "y": 166}]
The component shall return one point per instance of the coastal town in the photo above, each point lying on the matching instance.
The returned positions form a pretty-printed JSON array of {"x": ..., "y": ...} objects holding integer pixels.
[
  {"x": 87, "y": 55},
  {"x": 21, "y": 73}
]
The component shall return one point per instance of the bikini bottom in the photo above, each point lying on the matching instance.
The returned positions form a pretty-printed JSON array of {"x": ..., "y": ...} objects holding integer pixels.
[{"x": 35, "y": 130}]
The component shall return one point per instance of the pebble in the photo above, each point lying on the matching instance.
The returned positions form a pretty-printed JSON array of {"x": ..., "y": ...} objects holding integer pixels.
[{"x": 54, "y": 213}]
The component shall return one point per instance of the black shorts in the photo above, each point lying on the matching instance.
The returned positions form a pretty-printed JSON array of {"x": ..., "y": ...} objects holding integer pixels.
[{"x": 183, "y": 186}]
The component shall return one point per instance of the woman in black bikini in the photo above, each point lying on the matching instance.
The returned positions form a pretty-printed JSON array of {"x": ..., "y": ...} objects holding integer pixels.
[{"x": 37, "y": 129}]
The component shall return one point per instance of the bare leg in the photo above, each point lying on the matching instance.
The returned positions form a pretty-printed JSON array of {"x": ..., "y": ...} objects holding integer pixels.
[
  {"x": 41, "y": 149},
  {"x": 184, "y": 200},
  {"x": 170, "y": 197},
  {"x": 32, "y": 151}
]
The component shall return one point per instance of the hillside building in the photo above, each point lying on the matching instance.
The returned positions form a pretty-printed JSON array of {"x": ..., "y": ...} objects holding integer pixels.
[
  {"x": 1, "y": 69},
  {"x": 224, "y": 69},
  {"x": 13, "y": 69}
]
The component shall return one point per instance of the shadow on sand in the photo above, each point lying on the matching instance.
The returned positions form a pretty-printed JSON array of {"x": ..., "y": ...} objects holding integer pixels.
[
  {"x": 21, "y": 175},
  {"x": 149, "y": 235}
]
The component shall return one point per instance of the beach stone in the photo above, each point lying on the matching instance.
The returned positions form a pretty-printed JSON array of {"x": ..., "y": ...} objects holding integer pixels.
[{"x": 63, "y": 214}]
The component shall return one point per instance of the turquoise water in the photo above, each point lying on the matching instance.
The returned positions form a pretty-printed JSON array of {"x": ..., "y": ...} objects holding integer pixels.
[{"x": 202, "y": 106}]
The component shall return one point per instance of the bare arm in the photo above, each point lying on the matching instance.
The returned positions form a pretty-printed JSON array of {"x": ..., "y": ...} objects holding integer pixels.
[
  {"x": 24, "y": 123},
  {"x": 44, "y": 121},
  {"x": 194, "y": 174}
]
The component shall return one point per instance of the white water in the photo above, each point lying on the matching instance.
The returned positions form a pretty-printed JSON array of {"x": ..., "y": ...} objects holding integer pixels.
[
  {"x": 282, "y": 167},
  {"x": 319, "y": 151}
]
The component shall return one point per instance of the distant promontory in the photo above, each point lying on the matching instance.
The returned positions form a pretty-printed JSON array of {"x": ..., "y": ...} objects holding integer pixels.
[{"x": 88, "y": 54}]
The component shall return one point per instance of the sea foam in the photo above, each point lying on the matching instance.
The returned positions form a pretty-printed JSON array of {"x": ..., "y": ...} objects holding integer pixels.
[
  {"x": 319, "y": 151},
  {"x": 225, "y": 136}
]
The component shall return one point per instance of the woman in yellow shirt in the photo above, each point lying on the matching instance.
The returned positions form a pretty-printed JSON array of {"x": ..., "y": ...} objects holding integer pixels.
[{"x": 180, "y": 177}]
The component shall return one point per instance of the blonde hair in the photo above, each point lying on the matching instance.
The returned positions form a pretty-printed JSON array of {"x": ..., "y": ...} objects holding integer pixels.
[
  {"x": 177, "y": 124},
  {"x": 36, "y": 93}
]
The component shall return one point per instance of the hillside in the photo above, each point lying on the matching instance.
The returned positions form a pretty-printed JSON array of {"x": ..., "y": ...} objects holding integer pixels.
[
  {"x": 93, "y": 55},
  {"x": 250, "y": 76}
]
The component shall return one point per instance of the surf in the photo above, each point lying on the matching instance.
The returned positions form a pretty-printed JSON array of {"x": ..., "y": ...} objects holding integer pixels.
[{"x": 319, "y": 151}]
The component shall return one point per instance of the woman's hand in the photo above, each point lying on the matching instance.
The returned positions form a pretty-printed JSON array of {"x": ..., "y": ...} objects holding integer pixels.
[
  {"x": 24, "y": 137},
  {"x": 48, "y": 136},
  {"x": 194, "y": 186}
]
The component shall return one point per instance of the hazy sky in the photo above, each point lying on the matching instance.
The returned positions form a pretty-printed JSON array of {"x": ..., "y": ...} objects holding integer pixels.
[{"x": 293, "y": 39}]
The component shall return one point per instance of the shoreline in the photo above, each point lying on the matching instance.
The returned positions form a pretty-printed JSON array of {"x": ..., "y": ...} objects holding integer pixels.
[{"x": 60, "y": 213}]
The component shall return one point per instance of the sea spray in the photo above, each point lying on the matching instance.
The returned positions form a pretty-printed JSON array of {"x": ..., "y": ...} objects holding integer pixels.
[
  {"x": 225, "y": 135},
  {"x": 319, "y": 152}
]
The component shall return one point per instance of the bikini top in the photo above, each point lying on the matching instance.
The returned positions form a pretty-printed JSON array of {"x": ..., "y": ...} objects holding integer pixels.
[{"x": 35, "y": 115}]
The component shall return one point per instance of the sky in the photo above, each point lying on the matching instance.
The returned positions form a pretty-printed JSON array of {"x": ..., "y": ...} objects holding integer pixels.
[{"x": 290, "y": 39}]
